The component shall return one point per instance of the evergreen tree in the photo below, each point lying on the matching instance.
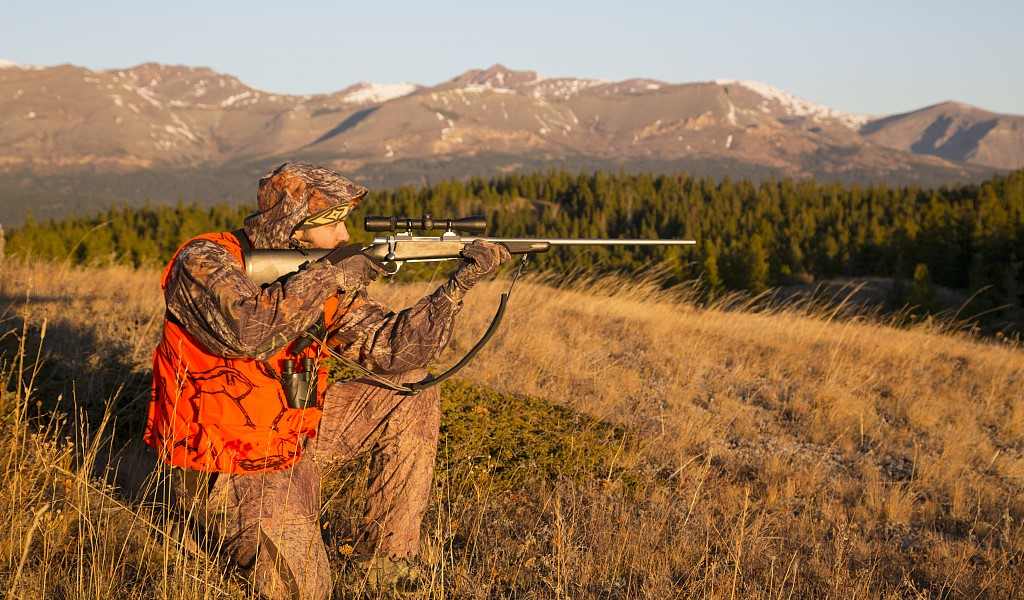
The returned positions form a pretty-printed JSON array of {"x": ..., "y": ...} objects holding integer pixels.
[
  {"x": 757, "y": 265},
  {"x": 712, "y": 277},
  {"x": 922, "y": 295}
]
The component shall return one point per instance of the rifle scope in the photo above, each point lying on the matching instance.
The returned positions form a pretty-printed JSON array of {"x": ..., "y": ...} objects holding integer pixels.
[{"x": 477, "y": 224}]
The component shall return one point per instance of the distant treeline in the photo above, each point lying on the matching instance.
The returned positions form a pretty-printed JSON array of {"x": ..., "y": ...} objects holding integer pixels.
[{"x": 750, "y": 236}]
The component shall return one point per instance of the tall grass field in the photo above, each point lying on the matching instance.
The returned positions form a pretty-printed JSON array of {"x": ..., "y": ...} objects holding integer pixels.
[{"x": 615, "y": 440}]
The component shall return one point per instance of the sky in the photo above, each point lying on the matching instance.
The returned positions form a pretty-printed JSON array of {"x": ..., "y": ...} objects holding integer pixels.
[{"x": 862, "y": 57}]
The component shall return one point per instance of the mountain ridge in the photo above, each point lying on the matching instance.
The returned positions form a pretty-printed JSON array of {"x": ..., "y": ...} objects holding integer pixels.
[{"x": 152, "y": 120}]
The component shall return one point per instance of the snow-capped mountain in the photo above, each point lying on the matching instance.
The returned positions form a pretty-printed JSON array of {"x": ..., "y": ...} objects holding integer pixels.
[{"x": 65, "y": 119}]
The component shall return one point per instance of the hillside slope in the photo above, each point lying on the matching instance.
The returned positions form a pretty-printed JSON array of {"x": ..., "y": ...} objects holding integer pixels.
[
  {"x": 954, "y": 131},
  {"x": 624, "y": 443}
]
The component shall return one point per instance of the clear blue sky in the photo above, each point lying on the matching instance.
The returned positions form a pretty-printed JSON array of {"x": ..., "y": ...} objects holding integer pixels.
[{"x": 866, "y": 56}]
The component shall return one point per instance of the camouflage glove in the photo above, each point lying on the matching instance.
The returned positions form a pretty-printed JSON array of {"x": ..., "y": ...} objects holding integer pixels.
[
  {"x": 479, "y": 259},
  {"x": 355, "y": 272}
]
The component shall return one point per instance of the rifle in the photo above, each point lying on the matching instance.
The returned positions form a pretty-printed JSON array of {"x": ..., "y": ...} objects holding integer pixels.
[{"x": 400, "y": 245}]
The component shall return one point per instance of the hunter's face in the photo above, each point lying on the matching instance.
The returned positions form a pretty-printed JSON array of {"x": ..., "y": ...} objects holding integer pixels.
[{"x": 324, "y": 236}]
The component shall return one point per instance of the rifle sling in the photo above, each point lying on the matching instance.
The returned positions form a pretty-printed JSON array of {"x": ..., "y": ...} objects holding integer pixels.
[
  {"x": 432, "y": 380},
  {"x": 411, "y": 389}
]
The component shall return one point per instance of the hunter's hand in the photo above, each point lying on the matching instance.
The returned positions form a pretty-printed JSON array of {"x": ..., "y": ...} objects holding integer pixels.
[
  {"x": 355, "y": 272},
  {"x": 479, "y": 259}
]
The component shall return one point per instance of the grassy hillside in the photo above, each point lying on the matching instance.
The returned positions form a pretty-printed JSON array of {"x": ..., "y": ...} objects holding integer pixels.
[{"x": 613, "y": 441}]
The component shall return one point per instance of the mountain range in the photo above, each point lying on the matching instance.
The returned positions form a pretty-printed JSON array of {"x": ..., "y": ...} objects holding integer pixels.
[{"x": 74, "y": 139}]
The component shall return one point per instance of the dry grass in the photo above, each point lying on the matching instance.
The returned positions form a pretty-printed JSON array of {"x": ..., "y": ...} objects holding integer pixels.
[{"x": 758, "y": 454}]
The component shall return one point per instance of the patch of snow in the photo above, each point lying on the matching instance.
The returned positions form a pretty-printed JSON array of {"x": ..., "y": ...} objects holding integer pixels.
[
  {"x": 148, "y": 95},
  {"x": 731, "y": 117},
  {"x": 177, "y": 103},
  {"x": 180, "y": 129},
  {"x": 117, "y": 100},
  {"x": 389, "y": 152},
  {"x": 19, "y": 94},
  {"x": 562, "y": 89},
  {"x": 439, "y": 116},
  {"x": 446, "y": 133},
  {"x": 233, "y": 99},
  {"x": 797, "y": 107},
  {"x": 544, "y": 128},
  {"x": 183, "y": 128},
  {"x": 8, "y": 64},
  {"x": 728, "y": 142},
  {"x": 476, "y": 88},
  {"x": 653, "y": 86},
  {"x": 31, "y": 115}
]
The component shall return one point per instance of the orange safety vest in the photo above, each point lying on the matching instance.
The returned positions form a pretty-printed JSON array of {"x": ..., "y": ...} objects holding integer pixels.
[{"x": 227, "y": 415}]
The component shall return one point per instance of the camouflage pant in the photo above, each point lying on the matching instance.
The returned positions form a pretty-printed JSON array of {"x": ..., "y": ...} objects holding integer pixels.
[{"x": 269, "y": 523}]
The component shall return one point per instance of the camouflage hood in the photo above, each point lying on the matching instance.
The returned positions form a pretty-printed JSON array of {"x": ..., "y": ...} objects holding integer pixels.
[{"x": 294, "y": 192}]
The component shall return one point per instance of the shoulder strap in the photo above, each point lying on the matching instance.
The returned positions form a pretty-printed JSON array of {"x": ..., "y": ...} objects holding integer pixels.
[{"x": 243, "y": 241}]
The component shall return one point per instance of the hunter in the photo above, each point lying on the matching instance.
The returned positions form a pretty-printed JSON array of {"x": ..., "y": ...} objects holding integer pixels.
[{"x": 245, "y": 466}]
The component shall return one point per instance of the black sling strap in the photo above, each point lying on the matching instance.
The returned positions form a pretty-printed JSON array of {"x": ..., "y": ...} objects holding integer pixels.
[{"x": 243, "y": 241}]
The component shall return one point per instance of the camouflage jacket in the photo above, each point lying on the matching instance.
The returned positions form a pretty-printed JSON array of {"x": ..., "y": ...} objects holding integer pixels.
[{"x": 210, "y": 295}]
